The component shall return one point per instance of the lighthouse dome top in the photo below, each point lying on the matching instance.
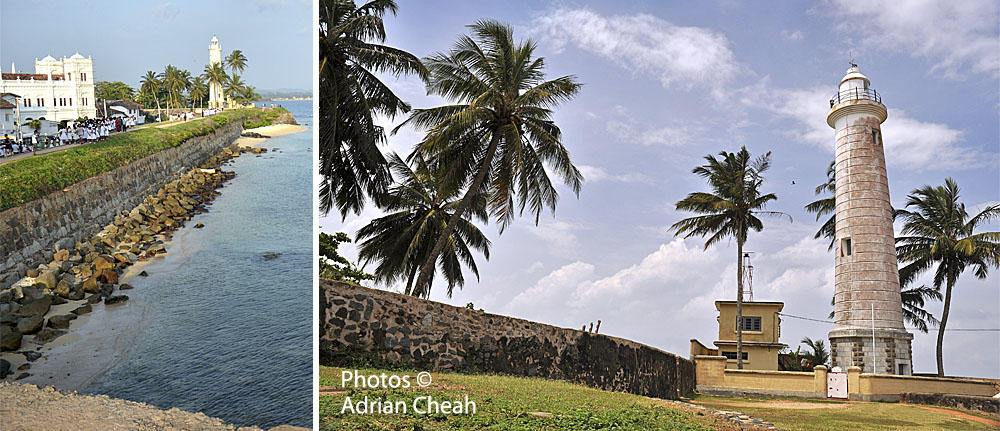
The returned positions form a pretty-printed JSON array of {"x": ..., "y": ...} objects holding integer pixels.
[{"x": 855, "y": 73}]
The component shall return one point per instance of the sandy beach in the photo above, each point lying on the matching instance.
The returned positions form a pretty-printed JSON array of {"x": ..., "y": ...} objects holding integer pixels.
[{"x": 272, "y": 130}]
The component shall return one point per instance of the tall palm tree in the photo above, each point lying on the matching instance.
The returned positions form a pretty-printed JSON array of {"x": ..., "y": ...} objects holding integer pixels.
[
  {"x": 420, "y": 205},
  {"x": 198, "y": 90},
  {"x": 826, "y": 205},
  {"x": 234, "y": 87},
  {"x": 150, "y": 84},
  {"x": 730, "y": 210},
  {"x": 237, "y": 61},
  {"x": 938, "y": 231},
  {"x": 216, "y": 76},
  {"x": 351, "y": 53},
  {"x": 498, "y": 133},
  {"x": 820, "y": 355},
  {"x": 914, "y": 299}
]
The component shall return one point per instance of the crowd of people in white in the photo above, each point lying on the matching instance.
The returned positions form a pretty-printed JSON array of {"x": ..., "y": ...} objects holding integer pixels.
[{"x": 78, "y": 132}]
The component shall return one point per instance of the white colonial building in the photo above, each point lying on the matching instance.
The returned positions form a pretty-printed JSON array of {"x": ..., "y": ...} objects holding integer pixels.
[{"x": 58, "y": 90}]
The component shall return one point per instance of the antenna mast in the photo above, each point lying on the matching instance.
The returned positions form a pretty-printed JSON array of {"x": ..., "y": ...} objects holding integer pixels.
[{"x": 747, "y": 277}]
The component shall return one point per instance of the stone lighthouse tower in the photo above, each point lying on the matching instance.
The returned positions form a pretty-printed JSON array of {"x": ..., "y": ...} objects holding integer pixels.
[
  {"x": 215, "y": 96},
  {"x": 868, "y": 312}
]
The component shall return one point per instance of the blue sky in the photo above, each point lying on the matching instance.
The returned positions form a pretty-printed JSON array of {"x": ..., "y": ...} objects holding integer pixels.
[
  {"x": 126, "y": 39},
  {"x": 668, "y": 83}
]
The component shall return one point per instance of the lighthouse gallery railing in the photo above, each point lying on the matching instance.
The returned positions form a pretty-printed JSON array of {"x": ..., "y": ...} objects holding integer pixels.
[{"x": 855, "y": 94}]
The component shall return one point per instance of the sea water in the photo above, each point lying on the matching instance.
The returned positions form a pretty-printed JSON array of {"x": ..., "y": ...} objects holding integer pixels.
[{"x": 227, "y": 328}]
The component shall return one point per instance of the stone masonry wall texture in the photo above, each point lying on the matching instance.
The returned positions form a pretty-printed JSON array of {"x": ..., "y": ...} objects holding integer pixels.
[
  {"x": 29, "y": 233},
  {"x": 437, "y": 336}
]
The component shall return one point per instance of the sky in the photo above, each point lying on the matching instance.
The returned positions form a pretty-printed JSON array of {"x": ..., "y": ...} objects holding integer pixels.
[
  {"x": 125, "y": 39},
  {"x": 667, "y": 83}
]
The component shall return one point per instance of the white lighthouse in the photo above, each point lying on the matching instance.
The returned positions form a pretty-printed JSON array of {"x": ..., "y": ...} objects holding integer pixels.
[
  {"x": 215, "y": 96},
  {"x": 868, "y": 311}
]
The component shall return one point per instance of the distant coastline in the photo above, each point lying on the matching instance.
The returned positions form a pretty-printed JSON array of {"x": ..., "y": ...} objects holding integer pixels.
[{"x": 286, "y": 99}]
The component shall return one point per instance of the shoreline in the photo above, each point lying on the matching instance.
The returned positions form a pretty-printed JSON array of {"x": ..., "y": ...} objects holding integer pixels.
[{"x": 95, "y": 340}]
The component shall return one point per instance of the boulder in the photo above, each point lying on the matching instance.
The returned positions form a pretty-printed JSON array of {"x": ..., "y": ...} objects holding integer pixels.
[
  {"x": 91, "y": 285},
  {"x": 76, "y": 294},
  {"x": 39, "y": 306},
  {"x": 58, "y": 300},
  {"x": 100, "y": 263},
  {"x": 83, "y": 309},
  {"x": 116, "y": 299},
  {"x": 124, "y": 286},
  {"x": 199, "y": 225},
  {"x": 63, "y": 288},
  {"x": 47, "y": 278},
  {"x": 4, "y": 368},
  {"x": 32, "y": 355},
  {"x": 61, "y": 255},
  {"x": 108, "y": 276},
  {"x": 9, "y": 339},
  {"x": 31, "y": 293},
  {"x": 95, "y": 298},
  {"x": 271, "y": 255},
  {"x": 144, "y": 274},
  {"x": 61, "y": 321},
  {"x": 31, "y": 273},
  {"x": 30, "y": 324},
  {"x": 47, "y": 334},
  {"x": 7, "y": 318}
]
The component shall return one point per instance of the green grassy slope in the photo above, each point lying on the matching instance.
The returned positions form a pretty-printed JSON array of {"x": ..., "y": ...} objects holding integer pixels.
[
  {"x": 506, "y": 403},
  {"x": 25, "y": 180}
]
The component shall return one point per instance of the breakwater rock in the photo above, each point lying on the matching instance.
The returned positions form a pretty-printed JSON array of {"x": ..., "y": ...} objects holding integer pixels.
[
  {"x": 32, "y": 233},
  {"x": 89, "y": 272}
]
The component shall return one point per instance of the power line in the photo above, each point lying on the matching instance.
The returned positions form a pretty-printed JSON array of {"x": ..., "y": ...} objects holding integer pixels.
[{"x": 934, "y": 329}]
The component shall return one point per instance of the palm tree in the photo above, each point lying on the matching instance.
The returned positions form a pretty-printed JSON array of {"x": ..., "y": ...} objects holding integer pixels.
[
  {"x": 913, "y": 306},
  {"x": 198, "y": 90},
  {"x": 826, "y": 205},
  {"x": 216, "y": 76},
  {"x": 820, "y": 355},
  {"x": 351, "y": 96},
  {"x": 150, "y": 84},
  {"x": 176, "y": 81},
  {"x": 939, "y": 232},
  {"x": 236, "y": 61},
  {"x": 498, "y": 134},
  {"x": 420, "y": 205},
  {"x": 234, "y": 87},
  {"x": 730, "y": 210}
]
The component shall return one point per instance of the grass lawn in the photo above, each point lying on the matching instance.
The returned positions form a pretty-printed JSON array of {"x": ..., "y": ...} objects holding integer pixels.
[
  {"x": 506, "y": 403},
  {"x": 797, "y": 414},
  {"x": 25, "y": 180}
]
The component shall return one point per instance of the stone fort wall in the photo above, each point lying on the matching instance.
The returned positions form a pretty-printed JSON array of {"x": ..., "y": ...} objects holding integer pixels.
[
  {"x": 432, "y": 335},
  {"x": 30, "y": 233}
]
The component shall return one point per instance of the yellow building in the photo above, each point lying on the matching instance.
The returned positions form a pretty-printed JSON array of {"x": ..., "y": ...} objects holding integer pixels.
[{"x": 761, "y": 329}]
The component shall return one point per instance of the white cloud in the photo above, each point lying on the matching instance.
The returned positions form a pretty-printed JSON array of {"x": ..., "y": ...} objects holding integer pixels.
[
  {"x": 626, "y": 129},
  {"x": 554, "y": 287},
  {"x": 683, "y": 57},
  {"x": 558, "y": 235},
  {"x": 955, "y": 36},
  {"x": 792, "y": 35},
  {"x": 909, "y": 143},
  {"x": 165, "y": 11},
  {"x": 595, "y": 174}
]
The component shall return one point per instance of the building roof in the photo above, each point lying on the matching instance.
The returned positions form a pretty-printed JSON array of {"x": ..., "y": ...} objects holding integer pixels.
[
  {"x": 4, "y": 104},
  {"x": 48, "y": 58},
  {"x": 8, "y": 94},
  {"x": 76, "y": 56},
  {"x": 29, "y": 76},
  {"x": 750, "y": 303}
]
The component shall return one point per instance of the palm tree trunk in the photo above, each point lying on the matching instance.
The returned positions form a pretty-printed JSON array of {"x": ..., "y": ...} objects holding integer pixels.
[
  {"x": 422, "y": 287},
  {"x": 944, "y": 322},
  {"x": 739, "y": 305}
]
